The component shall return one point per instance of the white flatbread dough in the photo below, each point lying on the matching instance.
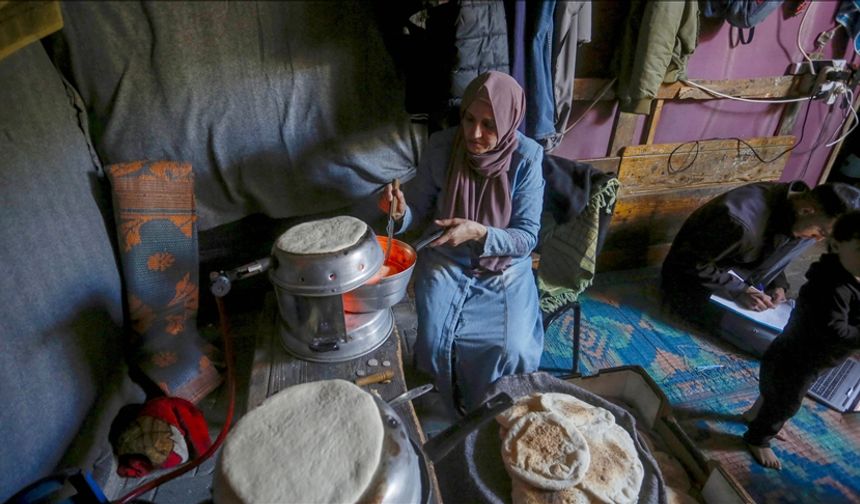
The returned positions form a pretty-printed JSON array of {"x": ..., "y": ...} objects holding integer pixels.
[
  {"x": 546, "y": 450},
  {"x": 616, "y": 473},
  {"x": 315, "y": 442},
  {"x": 322, "y": 236}
]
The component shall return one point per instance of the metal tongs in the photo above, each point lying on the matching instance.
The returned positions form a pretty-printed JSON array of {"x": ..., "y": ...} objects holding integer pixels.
[{"x": 389, "y": 228}]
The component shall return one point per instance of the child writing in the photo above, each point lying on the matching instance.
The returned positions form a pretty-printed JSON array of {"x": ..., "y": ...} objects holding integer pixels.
[{"x": 822, "y": 331}]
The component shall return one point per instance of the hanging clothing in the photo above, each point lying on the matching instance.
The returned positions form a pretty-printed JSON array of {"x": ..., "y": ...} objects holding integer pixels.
[
  {"x": 481, "y": 42},
  {"x": 572, "y": 27},
  {"x": 23, "y": 23},
  {"x": 848, "y": 16},
  {"x": 477, "y": 328},
  {"x": 540, "y": 99},
  {"x": 515, "y": 12},
  {"x": 658, "y": 39}
]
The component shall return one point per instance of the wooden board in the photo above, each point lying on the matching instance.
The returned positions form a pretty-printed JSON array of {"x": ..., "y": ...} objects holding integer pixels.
[
  {"x": 644, "y": 225},
  {"x": 783, "y": 86},
  {"x": 655, "y": 199},
  {"x": 648, "y": 168},
  {"x": 624, "y": 132}
]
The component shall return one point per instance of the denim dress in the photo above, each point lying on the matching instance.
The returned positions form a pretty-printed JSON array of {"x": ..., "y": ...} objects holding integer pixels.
[{"x": 473, "y": 329}]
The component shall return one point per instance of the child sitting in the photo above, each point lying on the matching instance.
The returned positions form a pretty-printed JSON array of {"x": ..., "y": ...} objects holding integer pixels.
[{"x": 822, "y": 331}]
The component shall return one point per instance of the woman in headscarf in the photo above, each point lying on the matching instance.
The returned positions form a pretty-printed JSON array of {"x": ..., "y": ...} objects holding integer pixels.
[{"x": 475, "y": 293}]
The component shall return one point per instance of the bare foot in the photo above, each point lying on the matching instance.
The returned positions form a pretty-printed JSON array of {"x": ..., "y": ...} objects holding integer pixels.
[{"x": 765, "y": 456}]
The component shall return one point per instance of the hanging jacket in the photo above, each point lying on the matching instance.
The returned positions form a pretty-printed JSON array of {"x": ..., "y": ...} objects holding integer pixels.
[
  {"x": 572, "y": 27},
  {"x": 481, "y": 42},
  {"x": 658, "y": 39},
  {"x": 440, "y": 47}
]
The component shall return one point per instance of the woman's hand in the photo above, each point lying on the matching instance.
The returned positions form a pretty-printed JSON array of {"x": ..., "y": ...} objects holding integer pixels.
[
  {"x": 389, "y": 194},
  {"x": 459, "y": 231}
]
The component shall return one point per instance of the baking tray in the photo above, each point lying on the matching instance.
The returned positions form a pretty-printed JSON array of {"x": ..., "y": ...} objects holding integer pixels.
[{"x": 633, "y": 386}]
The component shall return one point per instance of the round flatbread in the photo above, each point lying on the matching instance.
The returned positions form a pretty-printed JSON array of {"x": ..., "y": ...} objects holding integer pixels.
[
  {"x": 673, "y": 472},
  {"x": 615, "y": 474},
  {"x": 310, "y": 443},
  {"x": 546, "y": 450},
  {"x": 522, "y": 493},
  {"x": 677, "y": 496},
  {"x": 322, "y": 236},
  {"x": 521, "y": 406},
  {"x": 576, "y": 410}
]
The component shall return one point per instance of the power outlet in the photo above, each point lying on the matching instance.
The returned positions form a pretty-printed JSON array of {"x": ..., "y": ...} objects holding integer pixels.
[
  {"x": 803, "y": 67},
  {"x": 829, "y": 84}
]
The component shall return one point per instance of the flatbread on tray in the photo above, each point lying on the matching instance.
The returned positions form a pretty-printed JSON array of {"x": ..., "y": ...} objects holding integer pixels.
[
  {"x": 616, "y": 473},
  {"x": 546, "y": 450},
  {"x": 527, "y": 494},
  {"x": 474, "y": 471}
]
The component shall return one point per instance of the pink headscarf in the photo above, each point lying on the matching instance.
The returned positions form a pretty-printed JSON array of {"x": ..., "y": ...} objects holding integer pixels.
[{"x": 478, "y": 186}]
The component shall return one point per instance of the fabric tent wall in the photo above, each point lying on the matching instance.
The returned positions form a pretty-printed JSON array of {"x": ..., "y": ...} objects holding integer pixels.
[
  {"x": 282, "y": 108},
  {"x": 772, "y": 50}
]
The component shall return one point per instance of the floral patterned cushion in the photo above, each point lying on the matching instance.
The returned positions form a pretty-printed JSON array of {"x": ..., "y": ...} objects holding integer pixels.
[{"x": 156, "y": 221}]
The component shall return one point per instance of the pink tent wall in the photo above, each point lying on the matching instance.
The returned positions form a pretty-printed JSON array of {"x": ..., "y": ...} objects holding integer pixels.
[{"x": 772, "y": 50}]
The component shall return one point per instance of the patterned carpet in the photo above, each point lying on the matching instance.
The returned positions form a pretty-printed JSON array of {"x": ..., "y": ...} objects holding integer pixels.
[{"x": 709, "y": 384}]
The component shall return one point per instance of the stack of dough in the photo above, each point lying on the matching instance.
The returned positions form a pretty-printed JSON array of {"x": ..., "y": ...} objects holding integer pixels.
[
  {"x": 314, "y": 442},
  {"x": 559, "y": 449}
]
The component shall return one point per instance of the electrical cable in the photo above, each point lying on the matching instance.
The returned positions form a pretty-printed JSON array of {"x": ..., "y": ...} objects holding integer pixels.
[
  {"x": 849, "y": 97},
  {"x": 231, "y": 402},
  {"x": 673, "y": 171},
  {"x": 602, "y": 92},
  {"x": 748, "y": 100},
  {"x": 799, "y": 46}
]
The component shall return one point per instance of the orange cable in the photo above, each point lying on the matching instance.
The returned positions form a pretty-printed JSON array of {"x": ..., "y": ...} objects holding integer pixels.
[{"x": 231, "y": 395}]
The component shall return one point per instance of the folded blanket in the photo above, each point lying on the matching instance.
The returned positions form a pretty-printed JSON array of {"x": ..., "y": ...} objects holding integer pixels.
[
  {"x": 568, "y": 253},
  {"x": 22, "y": 23}
]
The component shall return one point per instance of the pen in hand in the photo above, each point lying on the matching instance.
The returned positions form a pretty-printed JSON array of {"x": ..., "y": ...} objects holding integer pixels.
[{"x": 759, "y": 289}]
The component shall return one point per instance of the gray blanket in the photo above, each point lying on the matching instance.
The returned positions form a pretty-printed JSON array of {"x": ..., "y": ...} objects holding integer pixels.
[
  {"x": 282, "y": 108},
  {"x": 479, "y": 456}
]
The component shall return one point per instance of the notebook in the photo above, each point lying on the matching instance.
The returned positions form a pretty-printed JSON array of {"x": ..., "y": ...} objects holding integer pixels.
[
  {"x": 774, "y": 318},
  {"x": 839, "y": 387}
]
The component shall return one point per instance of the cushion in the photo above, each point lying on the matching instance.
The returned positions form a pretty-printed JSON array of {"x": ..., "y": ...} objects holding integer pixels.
[{"x": 61, "y": 358}]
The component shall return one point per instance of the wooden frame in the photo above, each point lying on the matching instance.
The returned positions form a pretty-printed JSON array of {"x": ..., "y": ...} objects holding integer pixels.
[{"x": 652, "y": 206}]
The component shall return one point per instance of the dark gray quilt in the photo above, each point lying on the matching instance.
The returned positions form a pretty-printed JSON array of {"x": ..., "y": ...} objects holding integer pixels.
[{"x": 62, "y": 372}]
